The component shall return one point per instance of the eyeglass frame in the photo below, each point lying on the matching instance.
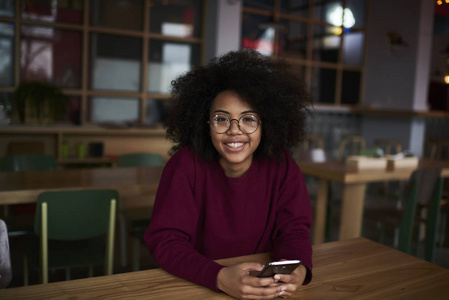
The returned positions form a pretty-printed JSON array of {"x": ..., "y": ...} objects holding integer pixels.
[{"x": 238, "y": 123}]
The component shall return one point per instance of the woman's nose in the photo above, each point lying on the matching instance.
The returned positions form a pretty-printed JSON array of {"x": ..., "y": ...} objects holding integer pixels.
[{"x": 234, "y": 129}]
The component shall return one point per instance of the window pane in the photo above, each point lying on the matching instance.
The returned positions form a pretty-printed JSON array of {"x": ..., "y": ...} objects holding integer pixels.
[
  {"x": 121, "y": 14},
  {"x": 7, "y": 8},
  {"x": 261, "y": 4},
  {"x": 350, "y": 87},
  {"x": 115, "y": 62},
  {"x": 293, "y": 39},
  {"x": 53, "y": 55},
  {"x": 357, "y": 8},
  {"x": 326, "y": 43},
  {"x": 53, "y": 11},
  {"x": 298, "y": 8},
  {"x": 156, "y": 112},
  {"x": 176, "y": 18},
  {"x": 353, "y": 49},
  {"x": 74, "y": 110},
  {"x": 113, "y": 110},
  {"x": 257, "y": 34},
  {"x": 329, "y": 11},
  {"x": 5, "y": 108},
  {"x": 167, "y": 61},
  {"x": 6, "y": 54},
  {"x": 323, "y": 85}
]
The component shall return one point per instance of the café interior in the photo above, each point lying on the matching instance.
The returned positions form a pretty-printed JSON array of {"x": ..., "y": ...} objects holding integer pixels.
[{"x": 378, "y": 75}]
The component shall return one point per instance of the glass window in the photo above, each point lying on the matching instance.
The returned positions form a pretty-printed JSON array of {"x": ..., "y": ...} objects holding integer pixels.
[
  {"x": 7, "y": 8},
  {"x": 117, "y": 14},
  {"x": 168, "y": 60},
  {"x": 350, "y": 90},
  {"x": 326, "y": 43},
  {"x": 6, "y": 54},
  {"x": 257, "y": 33},
  {"x": 353, "y": 48},
  {"x": 5, "y": 108},
  {"x": 329, "y": 11},
  {"x": 176, "y": 18},
  {"x": 113, "y": 110},
  {"x": 156, "y": 111},
  {"x": 357, "y": 10},
  {"x": 260, "y": 4},
  {"x": 323, "y": 85},
  {"x": 53, "y": 55},
  {"x": 53, "y": 11},
  {"x": 293, "y": 39},
  {"x": 298, "y": 8},
  {"x": 115, "y": 62}
]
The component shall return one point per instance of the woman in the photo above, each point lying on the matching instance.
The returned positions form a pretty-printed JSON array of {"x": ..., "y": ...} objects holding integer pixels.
[{"x": 231, "y": 188}]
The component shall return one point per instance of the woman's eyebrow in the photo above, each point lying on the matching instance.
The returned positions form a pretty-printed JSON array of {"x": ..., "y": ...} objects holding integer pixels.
[{"x": 242, "y": 113}]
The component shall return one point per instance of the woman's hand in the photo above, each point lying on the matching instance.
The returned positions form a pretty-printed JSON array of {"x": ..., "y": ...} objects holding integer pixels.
[
  {"x": 237, "y": 282},
  {"x": 292, "y": 281}
]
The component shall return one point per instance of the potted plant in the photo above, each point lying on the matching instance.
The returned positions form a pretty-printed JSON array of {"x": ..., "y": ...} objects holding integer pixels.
[{"x": 38, "y": 102}]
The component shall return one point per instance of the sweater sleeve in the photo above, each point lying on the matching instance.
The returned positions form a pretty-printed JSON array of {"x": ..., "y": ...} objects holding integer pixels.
[
  {"x": 291, "y": 238},
  {"x": 173, "y": 226}
]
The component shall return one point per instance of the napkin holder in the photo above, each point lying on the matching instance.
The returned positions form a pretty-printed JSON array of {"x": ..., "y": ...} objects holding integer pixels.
[
  {"x": 402, "y": 163},
  {"x": 366, "y": 163}
]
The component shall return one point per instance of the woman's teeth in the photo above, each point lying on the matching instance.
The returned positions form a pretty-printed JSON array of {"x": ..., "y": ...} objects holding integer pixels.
[{"x": 235, "y": 145}]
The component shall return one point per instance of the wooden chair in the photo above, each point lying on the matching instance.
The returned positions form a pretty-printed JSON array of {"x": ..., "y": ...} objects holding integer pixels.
[
  {"x": 134, "y": 216},
  {"x": 350, "y": 145},
  {"x": 73, "y": 228},
  {"x": 5, "y": 258},
  {"x": 388, "y": 146},
  {"x": 424, "y": 188}
]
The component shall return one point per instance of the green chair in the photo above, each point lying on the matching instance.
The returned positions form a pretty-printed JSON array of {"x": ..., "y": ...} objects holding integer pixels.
[
  {"x": 27, "y": 162},
  {"x": 423, "y": 189},
  {"x": 72, "y": 228},
  {"x": 134, "y": 216},
  {"x": 19, "y": 217},
  {"x": 139, "y": 160}
]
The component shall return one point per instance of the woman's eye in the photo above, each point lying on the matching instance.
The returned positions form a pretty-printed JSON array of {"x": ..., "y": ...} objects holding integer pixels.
[
  {"x": 220, "y": 119},
  {"x": 249, "y": 120}
]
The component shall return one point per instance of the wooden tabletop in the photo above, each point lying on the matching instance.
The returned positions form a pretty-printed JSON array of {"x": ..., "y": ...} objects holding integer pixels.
[
  {"x": 350, "y": 269},
  {"x": 338, "y": 171},
  {"x": 23, "y": 187}
]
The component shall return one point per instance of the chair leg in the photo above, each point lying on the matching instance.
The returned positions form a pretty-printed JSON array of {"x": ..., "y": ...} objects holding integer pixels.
[
  {"x": 25, "y": 270},
  {"x": 67, "y": 274},
  {"x": 136, "y": 254},
  {"x": 91, "y": 271},
  {"x": 123, "y": 250}
]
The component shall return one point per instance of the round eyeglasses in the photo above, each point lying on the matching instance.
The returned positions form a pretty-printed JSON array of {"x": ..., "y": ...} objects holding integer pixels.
[{"x": 247, "y": 123}]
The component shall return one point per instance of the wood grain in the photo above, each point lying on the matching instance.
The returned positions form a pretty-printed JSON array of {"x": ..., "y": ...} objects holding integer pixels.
[{"x": 350, "y": 269}]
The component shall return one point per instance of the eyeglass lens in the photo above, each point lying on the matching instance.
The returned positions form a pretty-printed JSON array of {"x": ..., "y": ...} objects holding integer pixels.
[{"x": 247, "y": 123}]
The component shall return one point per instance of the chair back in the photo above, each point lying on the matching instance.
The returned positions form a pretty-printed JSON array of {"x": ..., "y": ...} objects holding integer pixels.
[
  {"x": 5, "y": 258},
  {"x": 75, "y": 214},
  {"x": 425, "y": 188},
  {"x": 27, "y": 162},
  {"x": 350, "y": 145},
  {"x": 140, "y": 160}
]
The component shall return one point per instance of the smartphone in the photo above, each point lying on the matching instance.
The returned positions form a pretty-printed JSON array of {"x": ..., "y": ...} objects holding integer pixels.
[{"x": 279, "y": 267}]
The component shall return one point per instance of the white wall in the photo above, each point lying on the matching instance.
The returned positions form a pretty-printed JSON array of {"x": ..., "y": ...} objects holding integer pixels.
[{"x": 397, "y": 77}]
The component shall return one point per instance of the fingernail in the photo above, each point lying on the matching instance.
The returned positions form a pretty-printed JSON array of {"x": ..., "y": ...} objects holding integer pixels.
[
  {"x": 277, "y": 277},
  {"x": 281, "y": 293}
]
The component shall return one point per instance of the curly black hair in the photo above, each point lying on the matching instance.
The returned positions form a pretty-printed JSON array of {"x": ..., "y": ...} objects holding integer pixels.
[{"x": 269, "y": 85}]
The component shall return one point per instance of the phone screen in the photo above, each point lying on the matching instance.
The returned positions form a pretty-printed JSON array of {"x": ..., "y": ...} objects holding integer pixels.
[{"x": 279, "y": 267}]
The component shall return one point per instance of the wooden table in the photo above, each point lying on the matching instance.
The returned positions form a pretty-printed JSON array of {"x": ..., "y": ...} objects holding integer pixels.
[
  {"x": 354, "y": 187},
  {"x": 23, "y": 187},
  {"x": 350, "y": 269}
]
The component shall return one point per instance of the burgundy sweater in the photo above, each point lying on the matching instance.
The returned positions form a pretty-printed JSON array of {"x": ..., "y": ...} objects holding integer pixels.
[{"x": 201, "y": 215}]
